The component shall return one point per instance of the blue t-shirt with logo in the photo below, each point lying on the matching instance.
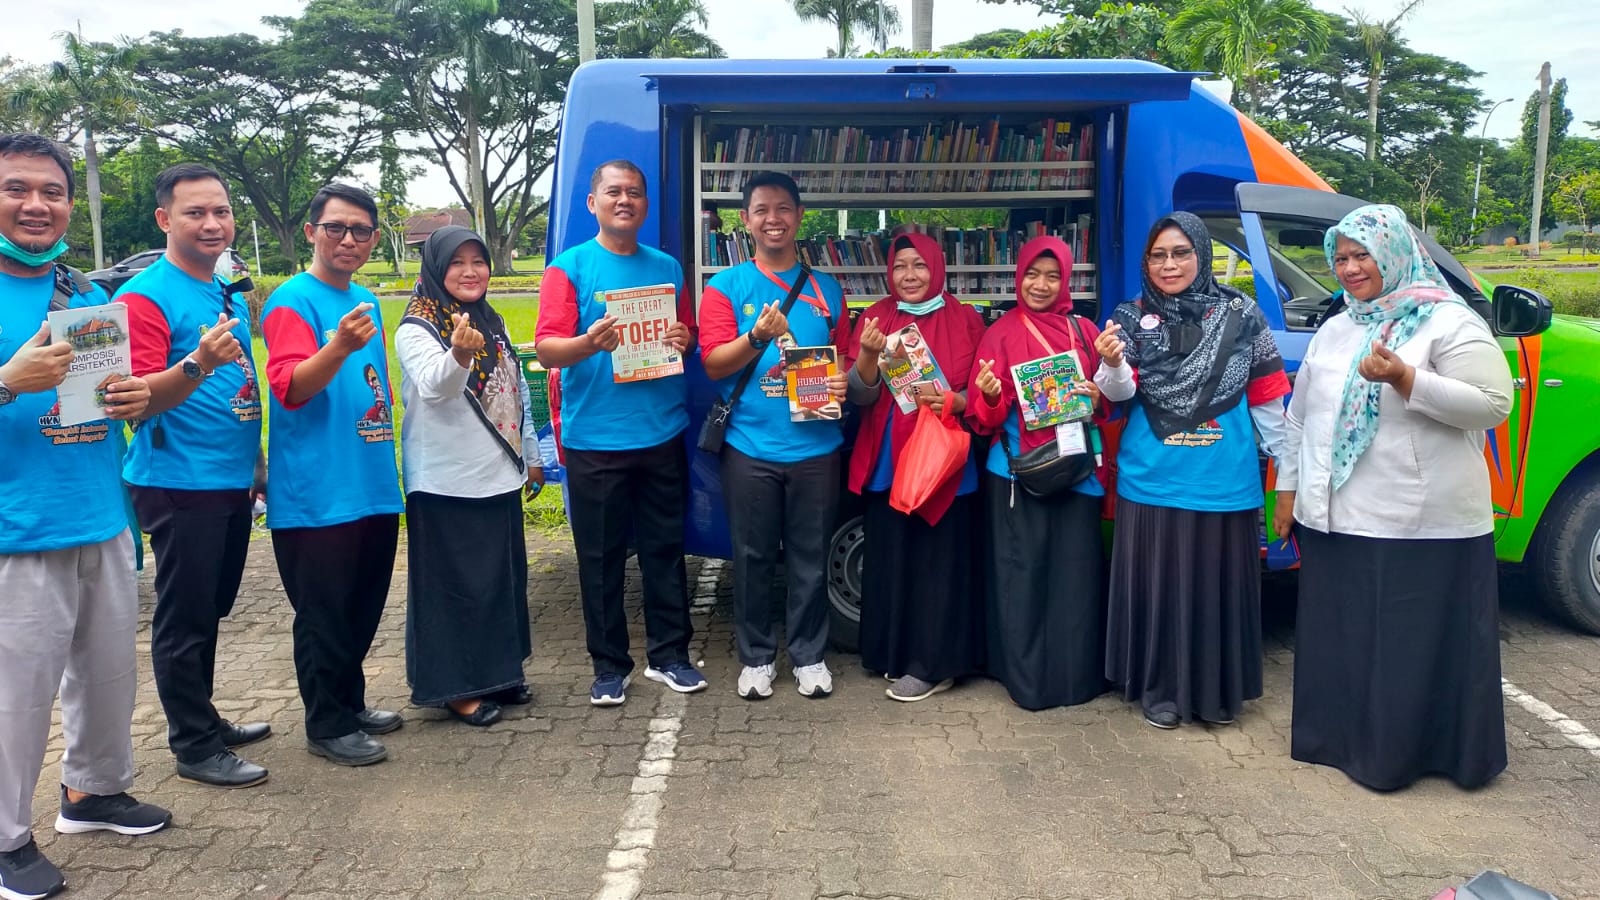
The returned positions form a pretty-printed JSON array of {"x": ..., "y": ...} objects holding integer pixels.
[
  {"x": 332, "y": 459},
  {"x": 760, "y": 426},
  {"x": 1212, "y": 468},
  {"x": 210, "y": 441},
  {"x": 597, "y": 413},
  {"x": 59, "y": 487}
]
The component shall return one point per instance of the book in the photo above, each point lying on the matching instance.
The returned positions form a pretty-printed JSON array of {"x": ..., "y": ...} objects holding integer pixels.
[
  {"x": 644, "y": 314},
  {"x": 909, "y": 369},
  {"x": 102, "y": 355},
  {"x": 806, "y": 371},
  {"x": 1044, "y": 391}
]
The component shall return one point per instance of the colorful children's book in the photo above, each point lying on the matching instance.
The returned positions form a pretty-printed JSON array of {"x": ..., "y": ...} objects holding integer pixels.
[
  {"x": 1044, "y": 391},
  {"x": 909, "y": 369},
  {"x": 807, "y": 370}
]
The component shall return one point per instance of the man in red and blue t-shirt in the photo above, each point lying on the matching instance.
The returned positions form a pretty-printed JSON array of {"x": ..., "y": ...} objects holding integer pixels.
[
  {"x": 192, "y": 464},
  {"x": 780, "y": 478},
  {"x": 334, "y": 502},
  {"x": 626, "y": 461},
  {"x": 69, "y": 606}
]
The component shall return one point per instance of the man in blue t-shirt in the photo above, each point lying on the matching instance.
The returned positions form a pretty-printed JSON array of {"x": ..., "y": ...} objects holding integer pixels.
[
  {"x": 627, "y": 467},
  {"x": 780, "y": 478},
  {"x": 334, "y": 502},
  {"x": 192, "y": 463},
  {"x": 69, "y": 605}
]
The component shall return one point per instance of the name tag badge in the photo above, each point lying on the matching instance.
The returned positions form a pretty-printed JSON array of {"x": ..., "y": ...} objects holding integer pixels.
[{"x": 1071, "y": 439}]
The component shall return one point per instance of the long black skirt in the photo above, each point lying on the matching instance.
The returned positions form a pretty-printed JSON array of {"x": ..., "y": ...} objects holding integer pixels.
[
  {"x": 467, "y": 629},
  {"x": 922, "y": 608},
  {"x": 1184, "y": 634},
  {"x": 1045, "y": 613},
  {"x": 1397, "y": 659}
]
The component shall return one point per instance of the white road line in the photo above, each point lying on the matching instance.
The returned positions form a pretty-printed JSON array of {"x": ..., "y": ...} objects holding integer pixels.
[
  {"x": 1571, "y": 729},
  {"x": 636, "y": 836}
]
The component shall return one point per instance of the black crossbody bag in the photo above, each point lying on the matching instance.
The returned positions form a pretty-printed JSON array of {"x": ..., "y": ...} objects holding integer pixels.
[{"x": 715, "y": 428}]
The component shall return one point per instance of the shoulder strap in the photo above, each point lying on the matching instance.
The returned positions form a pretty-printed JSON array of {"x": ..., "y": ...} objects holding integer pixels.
[
  {"x": 70, "y": 283},
  {"x": 788, "y": 304}
]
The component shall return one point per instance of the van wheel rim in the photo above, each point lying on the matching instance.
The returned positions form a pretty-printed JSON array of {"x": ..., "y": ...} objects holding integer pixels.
[
  {"x": 1594, "y": 562},
  {"x": 844, "y": 569}
]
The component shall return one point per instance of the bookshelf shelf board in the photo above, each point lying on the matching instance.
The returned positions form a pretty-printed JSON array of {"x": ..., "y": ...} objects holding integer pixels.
[
  {"x": 902, "y": 200},
  {"x": 1056, "y": 165}
]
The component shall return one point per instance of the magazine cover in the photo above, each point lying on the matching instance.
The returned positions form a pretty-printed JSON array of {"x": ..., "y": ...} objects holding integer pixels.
[
  {"x": 909, "y": 369},
  {"x": 1043, "y": 391},
  {"x": 643, "y": 316},
  {"x": 102, "y": 355},
  {"x": 807, "y": 369}
]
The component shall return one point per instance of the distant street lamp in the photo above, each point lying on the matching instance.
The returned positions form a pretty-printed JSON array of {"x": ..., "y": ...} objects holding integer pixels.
[{"x": 1477, "y": 179}]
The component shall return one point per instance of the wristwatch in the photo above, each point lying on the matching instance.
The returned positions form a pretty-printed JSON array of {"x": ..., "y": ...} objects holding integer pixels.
[
  {"x": 192, "y": 370},
  {"x": 6, "y": 394},
  {"x": 759, "y": 344}
]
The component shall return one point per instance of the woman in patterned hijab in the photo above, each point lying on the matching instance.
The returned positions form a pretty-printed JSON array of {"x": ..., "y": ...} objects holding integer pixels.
[{"x": 1397, "y": 651}]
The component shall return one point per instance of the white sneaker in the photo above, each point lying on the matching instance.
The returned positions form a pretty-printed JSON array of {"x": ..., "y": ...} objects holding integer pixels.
[
  {"x": 815, "y": 681},
  {"x": 755, "y": 682}
]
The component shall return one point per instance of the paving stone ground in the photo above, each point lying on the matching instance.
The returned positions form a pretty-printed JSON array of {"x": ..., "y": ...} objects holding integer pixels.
[{"x": 963, "y": 795}]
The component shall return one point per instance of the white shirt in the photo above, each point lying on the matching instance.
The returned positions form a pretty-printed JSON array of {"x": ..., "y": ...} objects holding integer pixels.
[
  {"x": 444, "y": 447},
  {"x": 1424, "y": 475}
]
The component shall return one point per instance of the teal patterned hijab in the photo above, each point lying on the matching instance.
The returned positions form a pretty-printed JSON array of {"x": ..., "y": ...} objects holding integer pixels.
[{"x": 1412, "y": 290}]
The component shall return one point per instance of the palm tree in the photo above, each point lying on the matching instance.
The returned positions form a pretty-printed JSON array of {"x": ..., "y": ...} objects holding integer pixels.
[
  {"x": 89, "y": 91},
  {"x": 1378, "y": 36},
  {"x": 474, "y": 62},
  {"x": 655, "y": 29},
  {"x": 874, "y": 17},
  {"x": 921, "y": 25},
  {"x": 1242, "y": 38}
]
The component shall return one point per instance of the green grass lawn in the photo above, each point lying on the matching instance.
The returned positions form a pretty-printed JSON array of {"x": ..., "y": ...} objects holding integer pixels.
[
  {"x": 527, "y": 265},
  {"x": 1559, "y": 255}
]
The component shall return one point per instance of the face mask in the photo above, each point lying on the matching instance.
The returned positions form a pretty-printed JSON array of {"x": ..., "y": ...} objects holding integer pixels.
[
  {"x": 923, "y": 308},
  {"x": 31, "y": 259}
]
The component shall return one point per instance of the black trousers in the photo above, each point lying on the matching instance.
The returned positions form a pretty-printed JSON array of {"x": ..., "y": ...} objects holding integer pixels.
[
  {"x": 337, "y": 578},
  {"x": 200, "y": 540},
  {"x": 646, "y": 491},
  {"x": 791, "y": 506}
]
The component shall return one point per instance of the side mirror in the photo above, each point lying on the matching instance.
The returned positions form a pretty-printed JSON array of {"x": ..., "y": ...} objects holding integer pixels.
[{"x": 1519, "y": 312}]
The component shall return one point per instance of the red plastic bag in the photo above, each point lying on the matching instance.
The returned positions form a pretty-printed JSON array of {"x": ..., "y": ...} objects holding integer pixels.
[{"x": 933, "y": 455}]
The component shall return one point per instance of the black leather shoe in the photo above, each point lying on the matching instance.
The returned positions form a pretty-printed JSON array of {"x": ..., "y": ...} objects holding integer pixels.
[
  {"x": 379, "y": 721},
  {"x": 224, "y": 770},
  {"x": 354, "y": 749},
  {"x": 248, "y": 733},
  {"x": 513, "y": 696},
  {"x": 487, "y": 713}
]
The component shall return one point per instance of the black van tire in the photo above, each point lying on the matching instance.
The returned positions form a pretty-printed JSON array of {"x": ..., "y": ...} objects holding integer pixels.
[
  {"x": 1566, "y": 563},
  {"x": 845, "y": 552}
]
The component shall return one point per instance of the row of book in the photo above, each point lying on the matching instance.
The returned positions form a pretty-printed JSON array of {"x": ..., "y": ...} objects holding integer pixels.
[
  {"x": 983, "y": 246},
  {"x": 790, "y": 148},
  {"x": 966, "y": 285}
]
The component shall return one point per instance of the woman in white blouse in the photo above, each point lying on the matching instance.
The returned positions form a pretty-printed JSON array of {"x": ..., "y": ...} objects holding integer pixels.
[
  {"x": 468, "y": 450},
  {"x": 1397, "y": 654}
]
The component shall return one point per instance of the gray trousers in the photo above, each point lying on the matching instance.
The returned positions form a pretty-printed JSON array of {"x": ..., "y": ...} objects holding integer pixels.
[
  {"x": 67, "y": 623},
  {"x": 787, "y": 506}
]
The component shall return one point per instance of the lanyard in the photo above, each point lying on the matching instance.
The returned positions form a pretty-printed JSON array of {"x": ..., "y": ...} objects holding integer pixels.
[
  {"x": 817, "y": 300},
  {"x": 1027, "y": 321}
]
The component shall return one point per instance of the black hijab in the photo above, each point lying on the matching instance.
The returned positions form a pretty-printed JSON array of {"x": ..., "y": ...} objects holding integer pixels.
[
  {"x": 1197, "y": 350},
  {"x": 432, "y": 305}
]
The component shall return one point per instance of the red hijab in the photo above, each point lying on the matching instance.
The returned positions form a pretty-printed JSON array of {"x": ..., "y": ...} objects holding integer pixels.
[
  {"x": 1009, "y": 341},
  {"x": 951, "y": 332}
]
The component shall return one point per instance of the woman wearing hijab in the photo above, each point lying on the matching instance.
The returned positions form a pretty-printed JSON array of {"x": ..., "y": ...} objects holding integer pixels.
[
  {"x": 1397, "y": 653},
  {"x": 1045, "y": 607},
  {"x": 1184, "y": 631},
  {"x": 922, "y": 619},
  {"x": 468, "y": 449}
]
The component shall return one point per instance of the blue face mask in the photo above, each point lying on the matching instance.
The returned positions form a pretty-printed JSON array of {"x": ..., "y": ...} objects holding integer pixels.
[
  {"x": 10, "y": 249},
  {"x": 923, "y": 308}
]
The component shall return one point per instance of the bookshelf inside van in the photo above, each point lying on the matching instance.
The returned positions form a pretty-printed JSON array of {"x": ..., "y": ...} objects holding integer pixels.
[{"x": 1028, "y": 175}]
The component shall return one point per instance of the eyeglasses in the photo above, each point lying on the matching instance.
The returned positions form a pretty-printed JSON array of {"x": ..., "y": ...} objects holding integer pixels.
[
  {"x": 1180, "y": 256},
  {"x": 337, "y": 231}
]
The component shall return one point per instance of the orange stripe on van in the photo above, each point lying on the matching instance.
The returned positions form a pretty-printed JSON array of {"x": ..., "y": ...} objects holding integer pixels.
[{"x": 1273, "y": 162}]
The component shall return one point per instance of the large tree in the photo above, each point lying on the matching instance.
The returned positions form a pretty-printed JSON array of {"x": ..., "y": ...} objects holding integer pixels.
[
  {"x": 1244, "y": 39},
  {"x": 86, "y": 94},
  {"x": 874, "y": 18},
  {"x": 272, "y": 116},
  {"x": 654, "y": 29},
  {"x": 1379, "y": 37}
]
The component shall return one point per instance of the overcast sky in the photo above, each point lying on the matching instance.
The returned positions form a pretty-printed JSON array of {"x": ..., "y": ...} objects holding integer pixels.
[{"x": 1485, "y": 34}]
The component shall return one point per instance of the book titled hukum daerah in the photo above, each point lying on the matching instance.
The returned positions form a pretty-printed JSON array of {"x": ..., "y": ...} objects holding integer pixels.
[
  {"x": 101, "y": 356},
  {"x": 807, "y": 370}
]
